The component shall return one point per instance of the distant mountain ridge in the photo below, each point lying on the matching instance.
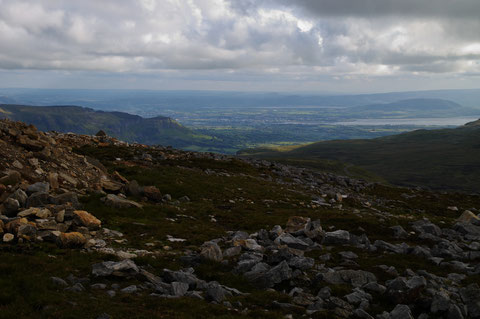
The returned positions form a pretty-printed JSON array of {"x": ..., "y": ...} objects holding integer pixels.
[
  {"x": 127, "y": 100},
  {"x": 81, "y": 120},
  {"x": 421, "y": 107}
]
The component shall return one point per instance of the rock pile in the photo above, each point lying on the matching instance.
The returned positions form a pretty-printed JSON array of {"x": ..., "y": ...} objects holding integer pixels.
[
  {"x": 171, "y": 284},
  {"x": 40, "y": 183},
  {"x": 276, "y": 259}
]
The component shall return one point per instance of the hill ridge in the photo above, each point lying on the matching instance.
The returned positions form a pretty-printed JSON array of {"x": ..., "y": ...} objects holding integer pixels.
[
  {"x": 442, "y": 159},
  {"x": 84, "y": 120}
]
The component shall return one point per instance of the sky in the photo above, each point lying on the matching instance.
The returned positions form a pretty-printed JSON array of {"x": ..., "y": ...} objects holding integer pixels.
[{"x": 347, "y": 46}]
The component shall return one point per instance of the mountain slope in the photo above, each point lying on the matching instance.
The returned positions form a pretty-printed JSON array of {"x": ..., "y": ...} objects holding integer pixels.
[
  {"x": 439, "y": 159},
  {"x": 75, "y": 119},
  {"x": 93, "y": 227}
]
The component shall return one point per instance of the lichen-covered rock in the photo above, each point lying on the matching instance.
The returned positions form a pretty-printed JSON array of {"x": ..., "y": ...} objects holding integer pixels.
[
  {"x": 7, "y": 237},
  {"x": 84, "y": 218},
  {"x": 152, "y": 193},
  {"x": 468, "y": 217},
  {"x": 249, "y": 243},
  {"x": 53, "y": 180},
  {"x": 296, "y": 223},
  {"x": 35, "y": 211},
  {"x": 111, "y": 186},
  {"x": 12, "y": 227},
  {"x": 71, "y": 240},
  {"x": 27, "y": 231}
]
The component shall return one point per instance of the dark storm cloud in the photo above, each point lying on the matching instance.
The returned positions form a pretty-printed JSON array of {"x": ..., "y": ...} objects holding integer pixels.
[{"x": 373, "y": 8}]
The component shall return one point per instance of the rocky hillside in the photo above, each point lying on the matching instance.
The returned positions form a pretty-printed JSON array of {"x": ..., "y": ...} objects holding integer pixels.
[
  {"x": 93, "y": 227},
  {"x": 132, "y": 128}
]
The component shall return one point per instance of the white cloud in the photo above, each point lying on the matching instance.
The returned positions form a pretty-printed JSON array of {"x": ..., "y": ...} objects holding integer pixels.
[{"x": 298, "y": 39}]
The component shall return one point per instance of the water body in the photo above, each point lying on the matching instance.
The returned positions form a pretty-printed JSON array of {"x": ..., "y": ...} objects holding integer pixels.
[{"x": 429, "y": 121}]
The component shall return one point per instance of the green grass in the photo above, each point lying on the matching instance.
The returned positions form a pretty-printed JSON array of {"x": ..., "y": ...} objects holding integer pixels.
[
  {"x": 440, "y": 159},
  {"x": 26, "y": 291}
]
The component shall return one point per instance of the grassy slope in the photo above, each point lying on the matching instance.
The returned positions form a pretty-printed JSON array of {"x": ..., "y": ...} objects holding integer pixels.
[
  {"x": 27, "y": 293},
  {"x": 440, "y": 159}
]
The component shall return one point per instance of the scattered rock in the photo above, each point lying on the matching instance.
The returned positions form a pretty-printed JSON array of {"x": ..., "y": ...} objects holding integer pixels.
[
  {"x": 399, "y": 232},
  {"x": 59, "y": 282},
  {"x": 211, "y": 251},
  {"x": 468, "y": 217},
  {"x": 292, "y": 242},
  {"x": 179, "y": 289},
  {"x": 78, "y": 287},
  {"x": 134, "y": 188},
  {"x": 41, "y": 187},
  {"x": 130, "y": 289},
  {"x": 27, "y": 231},
  {"x": 184, "y": 199},
  {"x": 276, "y": 275},
  {"x": 296, "y": 223},
  {"x": 20, "y": 196},
  {"x": 53, "y": 180},
  {"x": 401, "y": 312},
  {"x": 338, "y": 237},
  {"x": 356, "y": 278},
  {"x": 84, "y": 218},
  {"x": 124, "y": 268},
  {"x": 12, "y": 178},
  {"x": 7, "y": 237},
  {"x": 118, "y": 202},
  {"x": 348, "y": 255},
  {"x": 215, "y": 292},
  {"x": 71, "y": 240},
  {"x": 152, "y": 193}
]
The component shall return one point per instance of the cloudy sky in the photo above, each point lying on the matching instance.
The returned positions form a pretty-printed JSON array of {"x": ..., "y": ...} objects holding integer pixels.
[{"x": 272, "y": 45}]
